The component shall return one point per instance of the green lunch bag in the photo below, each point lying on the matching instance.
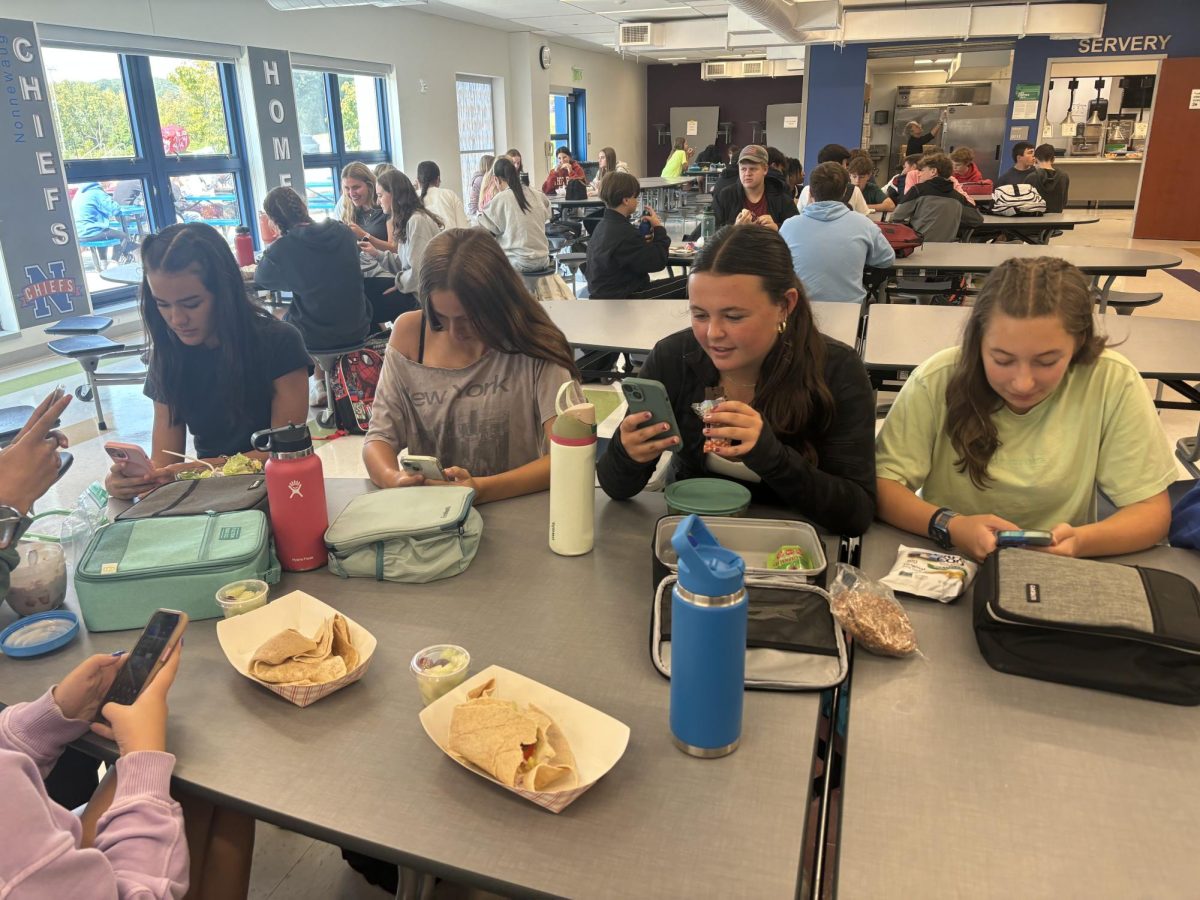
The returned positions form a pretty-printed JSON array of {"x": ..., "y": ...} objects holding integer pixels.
[
  {"x": 412, "y": 534},
  {"x": 134, "y": 566}
]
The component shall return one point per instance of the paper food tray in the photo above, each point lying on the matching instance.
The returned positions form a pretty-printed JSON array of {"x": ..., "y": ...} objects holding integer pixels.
[
  {"x": 597, "y": 739},
  {"x": 242, "y": 635}
]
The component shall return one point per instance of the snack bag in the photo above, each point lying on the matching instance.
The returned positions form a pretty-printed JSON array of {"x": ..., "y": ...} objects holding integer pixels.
[
  {"x": 870, "y": 613},
  {"x": 703, "y": 408},
  {"x": 789, "y": 556},
  {"x": 934, "y": 574}
]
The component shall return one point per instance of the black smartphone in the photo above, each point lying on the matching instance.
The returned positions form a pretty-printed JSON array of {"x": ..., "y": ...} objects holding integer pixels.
[
  {"x": 1024, "y": 539},
  {"x": 164, "y": 630},
  {"x": 64, "y": 462}
]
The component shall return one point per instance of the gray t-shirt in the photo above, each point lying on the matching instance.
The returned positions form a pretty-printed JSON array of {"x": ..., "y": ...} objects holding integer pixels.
[{"x": 488, "y": 418}]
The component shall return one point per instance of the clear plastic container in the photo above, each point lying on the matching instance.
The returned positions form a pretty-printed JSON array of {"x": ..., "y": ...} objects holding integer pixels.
[
  {"x": 242, "y": 596},
  {"x": 440, "y": 669}
]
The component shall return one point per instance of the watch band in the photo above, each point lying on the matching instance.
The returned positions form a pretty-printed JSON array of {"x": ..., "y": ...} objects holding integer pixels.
[{"x": 939, "y": 527}]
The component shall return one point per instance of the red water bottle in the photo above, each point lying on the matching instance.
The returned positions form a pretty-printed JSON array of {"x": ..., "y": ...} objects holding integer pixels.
[
  {"x": 243, "y": 246},
  {"x": 296, "y": 493}
]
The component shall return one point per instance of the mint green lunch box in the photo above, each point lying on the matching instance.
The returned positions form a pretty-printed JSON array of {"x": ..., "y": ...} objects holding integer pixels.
[{"x": 135, "y": 566}]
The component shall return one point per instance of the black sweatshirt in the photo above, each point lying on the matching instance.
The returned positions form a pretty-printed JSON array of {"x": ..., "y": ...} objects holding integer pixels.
[
  {"x": 620, "y": 260},
  {"x": 838, "y": 493}
]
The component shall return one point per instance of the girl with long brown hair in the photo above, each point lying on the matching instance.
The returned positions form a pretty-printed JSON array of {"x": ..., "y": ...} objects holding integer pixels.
[
  {"x": 798, "y": 409},
  {"x": 471, "y": 377},
  {"x": 410, "y": 229},
  {"x": 1019, "y": 427}
]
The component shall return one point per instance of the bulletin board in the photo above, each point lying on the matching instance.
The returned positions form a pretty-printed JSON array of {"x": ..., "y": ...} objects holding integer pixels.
[{"x": 697, "y": 123}]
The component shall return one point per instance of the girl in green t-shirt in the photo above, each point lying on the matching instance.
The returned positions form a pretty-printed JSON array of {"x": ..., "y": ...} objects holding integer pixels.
[
  {"x": 1018, "y": 427},
  {"x": 678, "y": 159}
]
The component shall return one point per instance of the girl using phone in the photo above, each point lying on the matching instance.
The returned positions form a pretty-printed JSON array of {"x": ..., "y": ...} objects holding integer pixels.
[
  {"x": 221, "y": 368},
  {"x": 1019, "y": 426},
  {"x": 798, "y": 412},
  {"x": 410, "y": 229},
  {"x": 471, "y": 378}
]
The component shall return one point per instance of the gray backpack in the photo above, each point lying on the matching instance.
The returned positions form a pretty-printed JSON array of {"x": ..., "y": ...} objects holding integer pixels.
[{"x": 1017, "y": 200}]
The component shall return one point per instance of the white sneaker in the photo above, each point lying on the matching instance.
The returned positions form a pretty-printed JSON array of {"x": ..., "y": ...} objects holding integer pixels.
[{"x": 317, "y": 396}]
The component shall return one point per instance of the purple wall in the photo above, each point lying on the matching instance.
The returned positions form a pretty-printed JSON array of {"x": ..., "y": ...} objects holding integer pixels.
[{"x": 741, "y": 101}]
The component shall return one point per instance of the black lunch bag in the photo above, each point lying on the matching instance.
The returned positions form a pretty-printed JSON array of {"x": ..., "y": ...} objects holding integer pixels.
[{"x": 1127, "y": 629}]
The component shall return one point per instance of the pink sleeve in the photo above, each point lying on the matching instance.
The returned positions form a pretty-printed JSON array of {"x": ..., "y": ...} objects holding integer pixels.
[
  {"x": 910, "y": 180},
  {"x": 38, "y": 730}
]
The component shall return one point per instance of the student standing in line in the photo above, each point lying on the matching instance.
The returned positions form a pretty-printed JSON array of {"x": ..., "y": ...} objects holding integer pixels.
[
  {"x": 410, "y": 229},
  {"x": 221, "y": 368},
  {"x": 565, "y": 170},
  {"x": 754, "y": 197},
  {"x": 838, "y": 154},
  {"x": 831, "y": 244},
  {"x": 679, "y": 159},
  {"x": 516, "y": 217},
  {"x": 478, "y": 327},
  {"x": 798, "y": 406},
  {"x": 485, "y": 168},
  {"x": 1052, "y": 184},
  {"x": 440, "y": 201},
  {"x": 1019, "y": 426},
  {"x": 620, "y": 259},
  {"x": 1024, "y": 165}
]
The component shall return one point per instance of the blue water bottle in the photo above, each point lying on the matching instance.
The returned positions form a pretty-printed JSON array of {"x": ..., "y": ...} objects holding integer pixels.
[{"x": 708, "y": 643}]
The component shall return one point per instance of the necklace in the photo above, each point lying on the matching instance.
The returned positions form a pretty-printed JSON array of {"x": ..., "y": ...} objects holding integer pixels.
[{"x": 740, "y": 384}]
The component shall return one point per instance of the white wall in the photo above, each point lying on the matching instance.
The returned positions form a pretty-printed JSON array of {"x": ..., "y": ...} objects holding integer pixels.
[{"x": 616, "y": 101}]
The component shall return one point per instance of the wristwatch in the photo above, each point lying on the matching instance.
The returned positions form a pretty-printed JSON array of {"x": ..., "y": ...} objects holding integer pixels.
[
  {"x": 10, "y": 521},
  {"x": 939, "y": 527}
]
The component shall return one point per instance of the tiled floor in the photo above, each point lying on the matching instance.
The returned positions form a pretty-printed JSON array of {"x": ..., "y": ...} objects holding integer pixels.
[{"x": 290, "y": 866}]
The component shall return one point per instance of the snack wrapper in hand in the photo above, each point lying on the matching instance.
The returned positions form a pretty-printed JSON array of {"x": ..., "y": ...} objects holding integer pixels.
[
  {"x": 703, "y": 408},
  {"x": 870, "y": 613}
]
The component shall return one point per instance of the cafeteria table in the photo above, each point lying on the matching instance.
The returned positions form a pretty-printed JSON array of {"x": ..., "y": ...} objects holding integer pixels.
[
  {"x": 961, "y": 781},
  {"x": 1099, "y": 262},
  {"x": 657, "y": 187},
  {"x": 635, "y": 326},
  {"x": 356, "y": 769},
  {"x": 561, "y": 205},
  {"x": 1035, "y": 229}
]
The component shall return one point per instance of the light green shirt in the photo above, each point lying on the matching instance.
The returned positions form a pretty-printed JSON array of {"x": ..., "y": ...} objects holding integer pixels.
[
  {"x": 675, "y": 163},
  {"x": 1098, "y": 429}
]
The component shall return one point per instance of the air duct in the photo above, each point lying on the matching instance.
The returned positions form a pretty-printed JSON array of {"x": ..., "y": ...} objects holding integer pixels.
[
  {"x": 787, "y": 19},
  {"x": 289, "y": 5}
]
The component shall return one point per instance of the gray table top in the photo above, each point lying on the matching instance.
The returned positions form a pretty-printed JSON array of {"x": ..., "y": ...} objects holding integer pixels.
[
  {"x": 639, "y": 324},
  {"x": 357, "y": 769},
  {"x": 903, "y": 336},
  {"x": 1066, "y": 219},
  {"x": 128, "y": 273},
  {"x": 965, "y": 782},
  {"x": 570, "y": 204},
  {"x": 955, "y": 257},
  {"x": 652, "y": 182}
]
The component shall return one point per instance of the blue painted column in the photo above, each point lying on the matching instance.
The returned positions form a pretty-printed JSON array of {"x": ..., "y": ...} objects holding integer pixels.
[{"x": 837, "y": 81}]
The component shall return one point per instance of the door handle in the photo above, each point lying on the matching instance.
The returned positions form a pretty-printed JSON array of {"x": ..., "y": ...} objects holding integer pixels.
[{"x": 997, "y": 153}]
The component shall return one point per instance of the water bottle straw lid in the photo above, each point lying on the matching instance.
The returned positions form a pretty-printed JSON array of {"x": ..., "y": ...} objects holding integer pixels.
[{"x": 705, "y": 567}]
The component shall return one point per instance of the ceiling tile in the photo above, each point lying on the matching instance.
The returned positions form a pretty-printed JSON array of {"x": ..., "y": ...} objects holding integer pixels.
[
  {"x": 618, "y": 7},
  {"x": 576, "y": 24}
]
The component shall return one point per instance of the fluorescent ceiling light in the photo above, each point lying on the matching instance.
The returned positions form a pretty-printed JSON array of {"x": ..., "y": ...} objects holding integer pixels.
[
  {"x": 946, "y": 59},
  {"x": 923, "y": 62}
]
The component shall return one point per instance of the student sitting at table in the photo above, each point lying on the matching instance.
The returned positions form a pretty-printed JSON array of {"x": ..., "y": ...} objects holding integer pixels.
[
  {"x": 620, "y": 259},
  {"x": 963, "y": 168},
  {"x": 1024, "y": 165},
  {"x": 896, "y": 187},
  {"x": 862, "y": 175},
  {"x": 318, "y": 263},
  {"x": 607, "y": 158},
  {"x": 410, "y": 229},
  {"x": 836, "y": 153},
  {"x": 795, "y": 177},
  {"x": 831, "y": 244},
  {"x": 729, "y": 175},
  {"x": 753, "y": 197},
  {"x": 382, "y": 167},
  {"x": 565, "y": 170},
  {"x": 934, "y": 207},
  {"x": 516, "y": 217},
  {"x": 798, "y": 408},
  {"x": 440, "y": 201},
  {"x": 680, "y": 159},
  {"x": 220, "y": 367},
  {"x": 777, "y": 167},
  {"x": 515, "y": 155},
  {"x": 471, "y": 378},
  {"x": 359, "y": 205},
  {"x": 485, "y": 168},
  {"x": 1021, "y": 425},
  {"x": 97, "y": 218},
  {"x": 1052, "y": 184}
]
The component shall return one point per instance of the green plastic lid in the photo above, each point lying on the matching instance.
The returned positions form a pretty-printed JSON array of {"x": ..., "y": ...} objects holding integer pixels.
[{"x": 708, "y": 496}]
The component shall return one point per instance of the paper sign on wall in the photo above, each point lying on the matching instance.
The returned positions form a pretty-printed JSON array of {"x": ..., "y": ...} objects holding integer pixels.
[
  {"x": 1140, "y": 129},
  {"x": 1194, "y": 102},
  {"x": 1018, "y": 133},
  {"x": 1025, "y": 109},
  {"x": 791, "y": 121},
  {"x": 693, "y": 127},
  {"x": 1067, "y": 129}
]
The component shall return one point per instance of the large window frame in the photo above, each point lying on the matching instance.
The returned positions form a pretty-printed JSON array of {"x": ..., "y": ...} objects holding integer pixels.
[{"x": 151, "y": 164}]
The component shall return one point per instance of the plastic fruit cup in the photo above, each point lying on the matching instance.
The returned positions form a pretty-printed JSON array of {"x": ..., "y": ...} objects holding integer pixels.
[
  {"x": 247, "y": 594},
  {"x": 440, "y": 669}
]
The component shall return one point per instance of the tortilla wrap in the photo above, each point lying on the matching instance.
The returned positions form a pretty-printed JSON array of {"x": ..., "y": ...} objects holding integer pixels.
[
  {"x": 292, "y": 658},
  {"x": 492, "y": 734}
]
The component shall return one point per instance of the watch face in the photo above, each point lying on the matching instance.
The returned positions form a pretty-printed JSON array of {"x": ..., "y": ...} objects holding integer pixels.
[{"x": 545, "y": 57}]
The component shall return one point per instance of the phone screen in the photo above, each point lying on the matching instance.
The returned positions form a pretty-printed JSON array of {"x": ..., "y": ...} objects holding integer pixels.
[{"x": 132, "y": 676}]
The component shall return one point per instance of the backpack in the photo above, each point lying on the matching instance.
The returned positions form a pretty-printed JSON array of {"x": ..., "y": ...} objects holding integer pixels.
[
  {"x": 1185, "y": 520},
  {"x": 902, "y": 238},
  {"x": 576, "y": 190},
  {"x": 355, "y": 375},
  {"x": 977, "y": 188},
  {"x": 1017, "y": 200}
]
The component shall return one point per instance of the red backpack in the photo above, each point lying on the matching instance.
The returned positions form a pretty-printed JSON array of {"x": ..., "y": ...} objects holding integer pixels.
[
  {"x": 903, "y": 239},
  {"x": 355, "y": 376},
  {"x": 977, "y": 188}
]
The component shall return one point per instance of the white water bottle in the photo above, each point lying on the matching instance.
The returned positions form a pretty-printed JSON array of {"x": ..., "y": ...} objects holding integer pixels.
[{"x": 573, "y": 473}]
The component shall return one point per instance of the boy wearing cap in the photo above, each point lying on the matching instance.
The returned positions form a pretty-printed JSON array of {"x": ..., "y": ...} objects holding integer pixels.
[{"x": 754, "y": 198}]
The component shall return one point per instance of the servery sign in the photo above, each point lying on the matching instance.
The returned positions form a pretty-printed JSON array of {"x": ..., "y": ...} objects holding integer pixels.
[{"x": 1136, "y": 43}]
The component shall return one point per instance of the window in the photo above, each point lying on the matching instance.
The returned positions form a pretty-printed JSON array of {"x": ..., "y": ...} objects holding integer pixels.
[
  {"x": 332, "y": 135},
  {"x": 148, "y": 141},
  {"x": 476, "y": 126}
]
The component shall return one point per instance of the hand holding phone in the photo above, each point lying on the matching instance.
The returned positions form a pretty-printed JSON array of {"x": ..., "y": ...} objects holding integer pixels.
[
  {"x": 1023, "y": 539},
  {"x": 427, "y": 466},
  {"x": 132, "y": 459},
  {"x": 642, "y": 431}
]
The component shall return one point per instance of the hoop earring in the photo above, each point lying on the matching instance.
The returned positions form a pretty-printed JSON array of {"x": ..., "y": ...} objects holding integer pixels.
[{"x": 782, "y": 327}]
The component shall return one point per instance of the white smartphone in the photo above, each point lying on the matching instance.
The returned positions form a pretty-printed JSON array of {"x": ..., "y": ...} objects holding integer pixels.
[{"x": 424, "y": 465}]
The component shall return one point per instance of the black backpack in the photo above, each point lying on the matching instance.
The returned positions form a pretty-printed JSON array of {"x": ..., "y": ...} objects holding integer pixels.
[{"x": 576, "y": 190}]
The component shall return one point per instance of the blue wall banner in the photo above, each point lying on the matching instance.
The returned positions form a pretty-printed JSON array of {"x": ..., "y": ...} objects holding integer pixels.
[{"x": 37, "y": 232}]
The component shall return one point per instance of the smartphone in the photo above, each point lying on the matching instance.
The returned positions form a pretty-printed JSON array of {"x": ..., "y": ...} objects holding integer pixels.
[
  {"x": 647, "y": 395},
  {"x": 161, "y": 633},
  {"x": 133, "y": 459},
  {"x": 645, "y": 227},
  {"x": 1024, "y": 539},
  {"x": 424, "y": 465},
  {"x": 64, "y": 463}
]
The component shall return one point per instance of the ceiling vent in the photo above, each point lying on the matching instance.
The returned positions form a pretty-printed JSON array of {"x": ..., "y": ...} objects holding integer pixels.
[
  {"x": 754, "y": 67},
  {"x": 711, "y": 70},
  {"x": 644, "y": 35}
]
